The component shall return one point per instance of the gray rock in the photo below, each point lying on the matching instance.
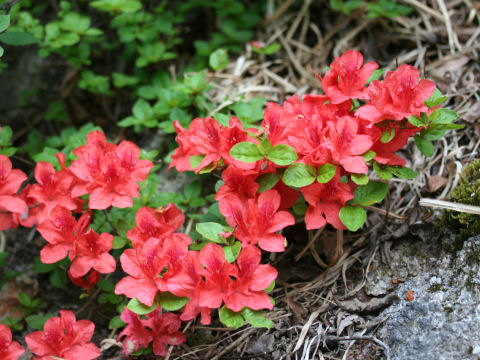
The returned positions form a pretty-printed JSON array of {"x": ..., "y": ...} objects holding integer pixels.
[{"x": 443, "y": 321}]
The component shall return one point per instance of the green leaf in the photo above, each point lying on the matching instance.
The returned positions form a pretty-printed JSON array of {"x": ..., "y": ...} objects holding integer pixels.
[
  {"x": 267, "y": 50},
  {"x": 193, "y": 190},
  {"x": 387, "y": 136},
  {"x": 232, "y": 251},
  {"x": 116, "y": 323},
  {"x": 299, "y": 175},
  {"x": 218, "y": 60},
  {"x": 230, "y": 318},
  {"x": 5, "y": 135},
  {"x": 267, "y": 181},
  {"x": 282, "y": 155},
  {"x": 326, "y": 172},
  {"x": 170, "y": 302},
  {"x": 141, "y": 309},
  {"x": 300, "y": 208},
  {"x": 416, "y": 121},
  {"x": 3, "y": 258},
  {"x": 1, "y": 51},
  {"x": 375, "y": 76},
  {"x": 42, "y": 268},
  {"x": 360, "y": 179},
  {"x": 210, "y": 231},
  {"x": 106, "y": 285},
  {"x": 4, "y": 22},
  {"x": 382, "y": 171},
  {"x": 436, "y": 99},
  {"x": 195, "y": 160},
  {"x": 122, "y": 80},
  {"x": 38, "y": 321},
  {"x": 270, "y": 287},
  {"x": 425, "y": 146},
  {"x": 403, "y": 173},
  {"x": 58, "y": 278},
  {"x": 119, "y": 242},
  {"x": 442, "y": 116},
  {"x": 371, "y": 193},
  {"x": 247, "y": 152},
  {"x": 369, "y": 155},
  {"x": 256, "y": 318},
  {"x": 353, "y": 217},
  {"x": 17, "y": 38},
  {"x": 24, "y": 299}
]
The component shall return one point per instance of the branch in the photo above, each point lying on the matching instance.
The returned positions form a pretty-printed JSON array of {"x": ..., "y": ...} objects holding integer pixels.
[{"x": 8, "y": 4}]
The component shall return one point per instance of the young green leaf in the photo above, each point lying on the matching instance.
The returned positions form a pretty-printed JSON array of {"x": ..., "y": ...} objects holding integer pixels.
[
  {"x": 4, "y": 22},
  {"x": 282, "y": 155},
  {"x": 246, "y": 151},
  {"x": 256, "y": 318},
  {"x": 353, "y": 217},
  {"x": 387, "y": 136},
  {"x": 218, "y": 60},
  {"x": 436, "y": 99},
  {"x": 232, "y": 251},
  {"x": 416, "y": 121},
  {"x": 360, "y": 179},
  {"x": 267, "y": 181},
  {"x": 369, "y": 155},
  {"x": 425, "y": 146},
  {"x": 326, "y": 172},
  {"x": 116, "y": 323},
  {"x": 170, "y": 302},
  {"x": 382, "y": 171},
  {"x": 230, "y": 318},
  {"x": 403, "y": 173},
  {"x": 442, "y": 116},
  {"x": 141, "y": 309},
  {"x": 299, "y": 175},
  {"x": 210, "y": 231},
  {"x": 371, "y": 193}
]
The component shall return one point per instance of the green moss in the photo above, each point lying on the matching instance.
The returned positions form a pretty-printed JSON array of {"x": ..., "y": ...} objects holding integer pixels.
[
  {"x": 435, "y": 288},
  {"x": 466, "y": 192},
  {"x": 448, "y": 309}
]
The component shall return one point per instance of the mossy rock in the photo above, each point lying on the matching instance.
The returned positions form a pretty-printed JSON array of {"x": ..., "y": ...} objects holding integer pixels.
[{"x": 466, "y": 192}]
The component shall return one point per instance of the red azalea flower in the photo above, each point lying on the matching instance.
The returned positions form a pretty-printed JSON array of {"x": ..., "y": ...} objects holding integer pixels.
[
  {"x": 252, "y": 280},
  {"x": 109, "y": 172},
  {"x": 157, "y": 223},
  {"x": 135, "y": 334},
  {"x": 347, "y": 145},
  {"x": 144, "y": 265},
  {"x": 385, "y": 152},
  {"x": 186, "y": 283},
  {"x": 202, "y": 138},
  {"x": 257, "y": 220},
  {"x": 399, "y": 96},
  {"x": 64, "y": 337},
  {"x": 9, "y": 350},
  {"x": 229, "y": 137},
  {"x": 87, "y": 286},
  {"x": 237, "y": 182},
  {"x": 10, "y": 202},
  {"x": 347, "y": 77},
  {"x": 325, "y": 202},
  {"x": 61, "y": 232},
  {"x": 172, "y": 252},
  {"x": 52, "y": 189},
  {"x": 217, "y": 273},
  {"x": 91, "y": 252},
  {"x": 165, "y": 328}
]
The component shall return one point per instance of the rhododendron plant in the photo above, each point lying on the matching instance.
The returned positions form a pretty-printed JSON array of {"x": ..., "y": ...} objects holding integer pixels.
[{"x": 312, "y": 156}]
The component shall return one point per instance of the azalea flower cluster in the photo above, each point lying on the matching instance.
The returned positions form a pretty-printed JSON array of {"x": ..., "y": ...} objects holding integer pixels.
[
  {"x": 63, "y": 337},
  {"x": 161, "y": 262},
  {"x": 333, "y": 136}
]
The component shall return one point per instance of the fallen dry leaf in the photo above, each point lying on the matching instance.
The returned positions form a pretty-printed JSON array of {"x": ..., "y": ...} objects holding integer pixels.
[
  {"x": 410, "y": 295},
  {"x": 436, "y": 182}
]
